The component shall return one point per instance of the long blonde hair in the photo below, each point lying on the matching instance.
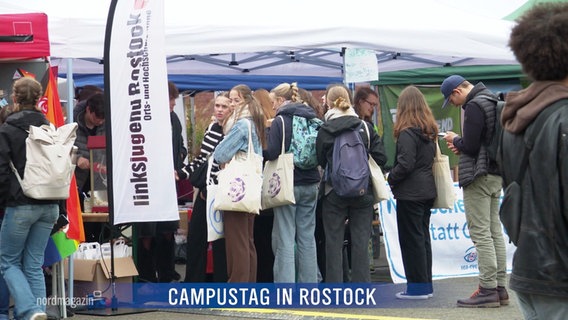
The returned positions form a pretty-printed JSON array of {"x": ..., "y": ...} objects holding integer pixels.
[{"x": 412, "y": 111}]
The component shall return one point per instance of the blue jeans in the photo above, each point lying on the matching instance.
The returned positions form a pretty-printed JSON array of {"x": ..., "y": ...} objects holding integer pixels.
[
  {"x": 23, "y": 238},
  {"x": 539, "y": 307},
  {"x": 4, "y": 297},
  {"x": 295, "y": 225}
]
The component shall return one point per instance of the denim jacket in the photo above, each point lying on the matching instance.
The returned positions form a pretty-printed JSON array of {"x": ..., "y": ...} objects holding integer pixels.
[{"x": 237, "y": 140}]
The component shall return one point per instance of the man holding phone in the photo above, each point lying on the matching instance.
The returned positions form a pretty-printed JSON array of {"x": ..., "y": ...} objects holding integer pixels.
[{"x": 481, "y": 182}]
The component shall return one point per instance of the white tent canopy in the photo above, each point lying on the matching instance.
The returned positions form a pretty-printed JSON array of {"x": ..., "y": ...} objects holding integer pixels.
[{"x": 291, "y": 38}]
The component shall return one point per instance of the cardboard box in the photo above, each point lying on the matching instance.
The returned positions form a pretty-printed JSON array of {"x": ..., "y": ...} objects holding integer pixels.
[{"x": 94, "y": 275}]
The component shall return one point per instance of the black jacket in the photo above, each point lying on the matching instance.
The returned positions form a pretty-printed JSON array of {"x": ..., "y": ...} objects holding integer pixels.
[
  {"x": 540, "y": 263},
  {"x": 83, "y": 133},
  {"x": 13, "y": 134},
  {"x": 411, "y": 176},
  {"x": 178, "y": 148},
  {"x": 332, "y": 128},
  {"x": 274, "y": 138}
]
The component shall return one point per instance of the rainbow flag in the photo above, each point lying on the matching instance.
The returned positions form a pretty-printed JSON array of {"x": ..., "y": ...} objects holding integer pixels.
[{"x": 62, "y": 244}]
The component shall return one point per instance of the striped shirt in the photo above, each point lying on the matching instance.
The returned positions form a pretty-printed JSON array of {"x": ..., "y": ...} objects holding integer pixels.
[{"x": 213, "y": 135}]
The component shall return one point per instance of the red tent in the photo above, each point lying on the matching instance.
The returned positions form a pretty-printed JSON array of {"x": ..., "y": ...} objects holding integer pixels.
[{"x": 23, "y": 36}]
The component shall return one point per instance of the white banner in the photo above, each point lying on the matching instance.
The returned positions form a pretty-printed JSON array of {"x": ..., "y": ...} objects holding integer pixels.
[
  {"x": 143, "y": 184},
  {"x": 453, "y": 253}
]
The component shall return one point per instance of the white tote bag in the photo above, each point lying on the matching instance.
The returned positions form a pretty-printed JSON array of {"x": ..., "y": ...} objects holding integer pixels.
[
  {"x": 215, "y": 226},
  {"x": 444, "y": 184},
  {"x": 278, "y": 179},
  {"x": 380, "y": 189},
  {"x": 240, "y": 183}
]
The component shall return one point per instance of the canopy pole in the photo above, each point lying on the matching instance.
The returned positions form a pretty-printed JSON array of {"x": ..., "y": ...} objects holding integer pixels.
[{"x": 70, "y": 91}]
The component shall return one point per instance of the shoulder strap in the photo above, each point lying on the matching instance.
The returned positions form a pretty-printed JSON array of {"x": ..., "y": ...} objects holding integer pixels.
[
  {"x": 283, "y": 135},
  {"x": 533, "y": 131},
  {"x": 368, "y": 135},
  {"x": 487, "y": 97}
]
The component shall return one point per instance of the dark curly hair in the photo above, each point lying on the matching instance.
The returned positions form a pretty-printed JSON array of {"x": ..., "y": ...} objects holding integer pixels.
[{"x": 540, "y": 41}]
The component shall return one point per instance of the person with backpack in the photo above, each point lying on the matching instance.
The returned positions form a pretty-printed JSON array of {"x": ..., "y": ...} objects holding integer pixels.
[
  {"x": 4, "y": 292},
  {"x": 481, "y": 182},
  {"x": 27, "y": 222},
  {"x": 535, "y": 136},
  {"x": 343, "y": 148},
  {"x": 294, "y": 224},
  {"x": 412, "y": 184}
]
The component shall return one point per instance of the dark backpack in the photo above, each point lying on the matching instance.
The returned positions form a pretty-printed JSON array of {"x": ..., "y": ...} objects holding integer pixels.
[
  {"x": 492, "y": 144},
  {"x": 349, "y": 174}
]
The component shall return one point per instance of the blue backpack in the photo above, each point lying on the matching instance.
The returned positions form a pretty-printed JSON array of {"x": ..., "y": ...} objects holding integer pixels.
[
  {"x": 349, "y": 174},
  {"x": 303, "y": 144}
]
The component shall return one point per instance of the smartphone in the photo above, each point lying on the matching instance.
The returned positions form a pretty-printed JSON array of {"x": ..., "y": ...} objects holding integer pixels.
[{"x": 441, "y": 134}]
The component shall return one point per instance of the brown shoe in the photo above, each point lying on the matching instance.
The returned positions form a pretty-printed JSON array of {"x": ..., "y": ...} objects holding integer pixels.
[
  {"x": 503, "y": 296},
  {"x": 481, "y": 298}
]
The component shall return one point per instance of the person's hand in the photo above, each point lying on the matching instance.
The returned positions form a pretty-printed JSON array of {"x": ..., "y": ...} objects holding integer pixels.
[
  {"x": 98, "y": 167},
  {"x": 449, "y": 137},
  {"x": 453, "y": 148},
  {"x": 176, "y": 176},
  {"x": 83, "y": 163}
]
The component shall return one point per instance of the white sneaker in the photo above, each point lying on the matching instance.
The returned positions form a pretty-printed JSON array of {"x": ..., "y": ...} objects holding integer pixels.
[
  {"x": 405, "y": 296},
  {"x": 39, "y": 316}
]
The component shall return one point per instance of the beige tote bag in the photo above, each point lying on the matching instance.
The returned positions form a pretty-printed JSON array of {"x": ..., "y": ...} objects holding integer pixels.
[
  {"x": 444, "y": 184},
  {"x": 240, "y": 183},
  {"x": 278, "y": 179},
  {"x": 380, "y": 189}
]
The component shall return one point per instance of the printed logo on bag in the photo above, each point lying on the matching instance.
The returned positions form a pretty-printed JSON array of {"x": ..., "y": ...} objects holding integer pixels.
[
  {"x": 216, "y": 219},
  {"x": 274, "y": 185},
  {"x": 470, "y": 255},
  {"x": 237, "y": 190}
]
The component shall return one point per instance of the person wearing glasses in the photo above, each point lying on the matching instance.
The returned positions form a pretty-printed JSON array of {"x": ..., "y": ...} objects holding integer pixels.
[{"x": 365, "y": 103}]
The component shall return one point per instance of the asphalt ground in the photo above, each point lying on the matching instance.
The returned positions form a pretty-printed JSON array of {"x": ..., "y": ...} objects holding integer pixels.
[{"x": 441, "y": 306}]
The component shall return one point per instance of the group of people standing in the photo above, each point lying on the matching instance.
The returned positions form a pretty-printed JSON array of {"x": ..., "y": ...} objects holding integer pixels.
[
  {"x": 412, "y": 183},
  {"x": 293, "y": 230},
  {"x": 540, "y": 265}
]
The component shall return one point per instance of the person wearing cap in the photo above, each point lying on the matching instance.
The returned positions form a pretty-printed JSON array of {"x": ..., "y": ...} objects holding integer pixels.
[
  {"x": 481, "y": 183},
  {"x": 539, "y": 113}
]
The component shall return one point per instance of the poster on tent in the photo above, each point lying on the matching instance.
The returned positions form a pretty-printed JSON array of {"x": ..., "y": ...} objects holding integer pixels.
[
  {"x": 361, "y": 65},
  {"x": 138, "y": 121},
  {"x": 453, "y": 253}
]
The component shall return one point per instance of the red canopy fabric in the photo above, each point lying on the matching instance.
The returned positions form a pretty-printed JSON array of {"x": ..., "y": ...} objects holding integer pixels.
[{"x": 23, "y": 36}]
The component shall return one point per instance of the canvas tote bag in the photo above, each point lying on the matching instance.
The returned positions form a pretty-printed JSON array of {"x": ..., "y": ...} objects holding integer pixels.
[
  {"x": 380, "y": 189},
  {"x": 444, "y": 184},
  {"x": 278, "y": 179},
  {"x": 215, "y": 225},
  {"x": 240, "y": 183}
]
